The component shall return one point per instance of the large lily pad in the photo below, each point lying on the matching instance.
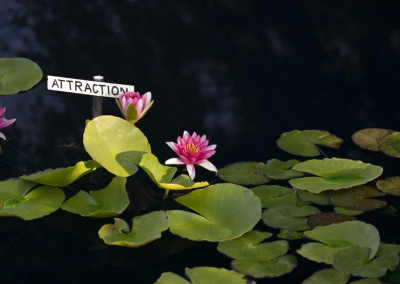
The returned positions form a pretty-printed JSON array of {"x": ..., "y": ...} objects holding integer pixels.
[
  {"x": 107, "y": 202},
  {"x": 115, "y": 144},
  {"x": 18, "y": 200},
  {"x": 276, "y": 169},
  {"x": 390, "y": 185},
  {"x": 146, "y": 228},
  {"x": 275, "y": 195},
  {"x": 328, "y": 276},
  {"x": 370, "y": 138},
  {"x": 334, "y": 174},
  {"x": 304, "y": 143},
  {"x": 227, "y": 211},
  {"x": 63, "y": 176},
  {"x": 244, "y": 173},
  {"x": 211, "y": 275},
  {"x": 18, "y": 74}
]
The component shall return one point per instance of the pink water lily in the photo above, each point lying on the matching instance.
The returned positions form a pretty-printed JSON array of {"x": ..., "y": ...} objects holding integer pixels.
[
  {"x": 141, "y": 103},
  {"x": 192, "y": 150},
  {"x": 4, "y": 122}
]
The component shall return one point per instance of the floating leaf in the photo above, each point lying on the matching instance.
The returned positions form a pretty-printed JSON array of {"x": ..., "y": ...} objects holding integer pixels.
[
  {"x": 328, "y": 276},
  {"x": 390, "y": 185},
  {"x": 206, "y": 275},
  {"x": 274, "y": 195},
  {"x": 334, "y": 174},
  {"x": 290, "y": 235},
  {"x": 321, "y": 252},
  {"x": 289, "y": 217},
  {"x": 370, "y": 138},
  {"x": 390, "y": 145},
  {"x": 367, "y": 281},
  {"x": 249, "y": 247},
  {"x": 276, "y": 169},
  {"x": 304, "y": 143},
  {"x": 269, "y": 268},
  {"x": 18, "y": 74},
  {"x": 348, "y": 212},
  {"x": 327, "y": 218},
  {"x": 146, "y": 228},
  {"x": 227, "y": 211},
  {"x": 244, "y": 173},
  {"x": 116, "y": 144},
  {"x": 171, "y": 278},
  {"x": 63, "y": 176},
  {"x": 107, "y": 202},
  {"x": 320, "y": 199}
]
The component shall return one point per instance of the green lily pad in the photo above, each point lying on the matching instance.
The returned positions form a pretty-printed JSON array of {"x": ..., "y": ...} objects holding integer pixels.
[
  {"x": 390, "y": 145},
  {"x": 276, "y": 169},
  {"x": 390, "y": 185},
  {"x": 18, "y": 74},
  {"x": 107, "y": 202},
  {"x": 115, "y": 144},
  {"x": 370, "y": 138},
  {"x": 210, "y": 275},
  {"x": 249, "y": 247},
  {"x": 385, "y": 248},
  {"x": 16, "y": 199},
  {"x": 269, "y": 268},
  {"x": 274, "y": 195},
  {"x": 328, "y": 276},
  {"x": 304, "y": 143},
  {"x": 327, "y": 218},
  {"x": 171, "y": 278},
  {"x": 320, "y": 199},
  {"x": 227, "y": 211},
  {"x": 146, "y": 228},
  {"x": 244, "y": 173},
  {"x": 366, "y": 281},
  {"x": 63, "y": 176},
  {"x": 319, "y": 252},
  {"x": 289, "y": 217},
  {"x": 290, "y": 235},
  {"x": 348, "y": 212},
  {"x": 334, "y": 174}
]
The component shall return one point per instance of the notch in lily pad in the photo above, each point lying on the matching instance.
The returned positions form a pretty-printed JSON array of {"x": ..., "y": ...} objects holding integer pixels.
[
  {"x": 243, "y": 173},
  {"x": 276, "y": 169}
]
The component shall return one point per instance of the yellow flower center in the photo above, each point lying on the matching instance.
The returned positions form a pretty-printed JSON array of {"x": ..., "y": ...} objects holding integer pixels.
[{"x": 191, "y": 148}]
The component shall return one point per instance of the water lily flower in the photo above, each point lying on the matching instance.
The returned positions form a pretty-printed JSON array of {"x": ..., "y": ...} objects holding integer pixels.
[
  {"x": 4, "y": 122},
  {"x": 134, "y": 106},
  {"x": 192, "y": 150}
]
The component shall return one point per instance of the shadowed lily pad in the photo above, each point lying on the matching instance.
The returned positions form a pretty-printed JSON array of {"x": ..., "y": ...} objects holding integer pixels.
[
  {"x": 334, "y": 174},
  {"x": 390, "y": 185},
  {"x": 327, "y": 218},
  {"x": 107, "y": 202},
  {"x": 366, "y": 281},
  {"x": 390, "y": 145},
  {"x": 146, "y": 228},
  {"x": 290, "y": 235},
  {"x": 370, "y": 138},
  {"x": 276, "y": 169},
  {"x": 63, "y": 176},
  {"x": 304, "y": 143},
  {"x": 227, "y": 211},
  {"x": 244, "y": 173},
  {"x": 348, "y": 212},
  {"x": 171, "y": 278},
  {"x": 320, "y": 199},
  {"x": 208, "y": 275},
  {"x": 274, "y": 195},
  {"x": 116, "y": 144},
  {"x": 328, "y": 276}
]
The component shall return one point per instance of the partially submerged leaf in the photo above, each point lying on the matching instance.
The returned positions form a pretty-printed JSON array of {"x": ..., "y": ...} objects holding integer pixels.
[
  {"x": 390, "y": 185},
  {"x": 370, "y": 138},
  {"x": 276, "y": 169},
  {"x": 243, "y": 173},
  {"x": 207, "y": 275},
  {"x": 171, "y": 278},
  {"x": 274, "y": 195},
  {"x": 390, "y": 145}
]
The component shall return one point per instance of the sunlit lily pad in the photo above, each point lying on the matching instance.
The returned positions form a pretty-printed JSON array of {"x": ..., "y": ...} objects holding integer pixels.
[
  {"x": 390, "y": 145},
  {"x": 276, "y": 169},
  {"x": 244, "y": 173},
  {"x": 327, "y": 218},
  {"x": 18, "y": 74},
  {"x": 18, "y": 200},
  {"x": 107, "y": 202},
  {"x": 304, "y": 143},
  {"x": 250, "y": 247},
  {"x": 357, "y": 198},
  {"x": 334, "y": 174},
  {"x": 390, "y": 185},
  {"x": 275, "y": 195},
  {"x": 171, "y": 278},
  {"x": 116, "y": 144},
  {"x": 289, "y": 217},
  {"x": 269, "y": 268},
  {"x": 320, "y": 199},
  {"x": 370, "y": 138},
  {"x": 328, "y": 276},
  {"x": 63, "y": 176},
  {"x": 226, "y": 211},
  {"x": 212, "y": 275},
  {"x": 146, "y": 228}
]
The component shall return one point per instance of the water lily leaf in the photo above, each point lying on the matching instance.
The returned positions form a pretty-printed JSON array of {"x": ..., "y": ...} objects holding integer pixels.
[
  {"x": 370, "y": 138},
  {"x": 289, "y": 217},
  {"x": 327, "y": 218},
  {"x": 115, "y": 144},
  {"x": 357, "y": 198},
  {"x": 207, "y": 275},
  {"x": 320, "y": 199},
  {"x": 385, "y": 248},
  {"x": 227, "y": 211},
  {"x": 390, "y": 185},
  {"x": 171, "y": 278},
  {"x": 348, "y": 212},
  {"x": 304, "y": 143},
  {"x": 106, "y": 202},
  {"x": 290, "y": 235},
  {"x": 63, "y": 176},
  {"x": 328, "y": 276},
  {"x": 269, "y": 268},
  {"x": 367, "y": 281},
  {"x": 16, "y": 199},
  {"x": 274, "y": 195},
  {"x": 334, "y": 174},
  {"x": 390, "y": 145},
  {"x": 244, "y": 173},
  {"x": 146, "y": 228},
  {"x": 321, "y": 252},
  {"x": 18, "y": 74},
  {"x": 249, "y": 247},
  {"x": 276, "y": 169}
]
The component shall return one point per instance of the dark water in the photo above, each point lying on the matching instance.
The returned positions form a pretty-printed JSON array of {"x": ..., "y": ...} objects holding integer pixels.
[{"x": 241, "y": 72}]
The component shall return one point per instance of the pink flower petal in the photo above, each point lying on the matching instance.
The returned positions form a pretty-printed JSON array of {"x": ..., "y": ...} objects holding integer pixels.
[
  {"x": 191, "y": 170},
  {"x": 2, "y": 136},
  {"x": 209, "y": 166},
  {"x": 174, "y": 161}
]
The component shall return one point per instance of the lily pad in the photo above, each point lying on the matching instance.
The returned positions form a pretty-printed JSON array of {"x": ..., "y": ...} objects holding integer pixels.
[
  {"x": 390, "y": 145},
  {"x": 171, "y": 278},
  {"x": 328, "y": 276},
  {"x": 304, "y": 143},
  {"x": 146, "y": 228},
  {"x": 63, "y": 176},
  {"x": 289, "y": 217},
  {"x": 244, "y": 173},
  {"x": 276, "y": 169},
  {"x": 319, "y": 252},
  {"x": 274, "y": 195},
  {"x": 249, "y": 247},
  {"x": 290, "y": 235},
  {"x": 269, "y": 268},
  {"x": 390, "y": 185},
  {"x": 357, "y": 198},
  {"x": 334, "y": 174},
  {"x": 115, "y": 144},
  {"x": 210, "y": 275},
  {"x": 227, "y": 211},
  {"x": 18, "y": 74},
  {"x": 348, "y": 212},
  {"x": 327, "y": 218},
  {"x": 370, "y": 138},
  {"x": 107, "y": 202},
  {"x": 367, "y": 281},
  {"x": 320, "y": 199}
]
